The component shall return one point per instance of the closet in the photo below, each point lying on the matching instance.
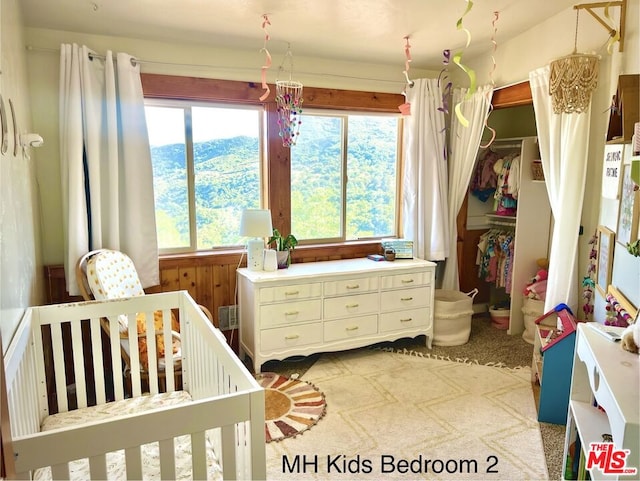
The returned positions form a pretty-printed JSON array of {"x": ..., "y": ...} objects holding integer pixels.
[{"x": 516, "y": 222}]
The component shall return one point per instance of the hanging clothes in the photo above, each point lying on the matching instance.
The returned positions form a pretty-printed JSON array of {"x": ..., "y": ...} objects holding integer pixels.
[
  {"x": 484, "y": 181},
  {"x": 496, "y": 249},
  {"x": 508, "y": 184}
]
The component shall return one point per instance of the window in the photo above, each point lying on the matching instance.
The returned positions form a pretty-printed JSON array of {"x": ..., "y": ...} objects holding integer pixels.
[
  {"x": 344, "y": 170},
  {"x": 207, "y": 168}
]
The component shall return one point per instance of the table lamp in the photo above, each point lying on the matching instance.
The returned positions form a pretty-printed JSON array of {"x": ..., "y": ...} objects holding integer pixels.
[{"x": 255, "y": 224}]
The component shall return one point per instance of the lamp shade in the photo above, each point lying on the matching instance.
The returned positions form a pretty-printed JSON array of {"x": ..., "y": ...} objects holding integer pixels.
[{"x": 256, "y": 223}]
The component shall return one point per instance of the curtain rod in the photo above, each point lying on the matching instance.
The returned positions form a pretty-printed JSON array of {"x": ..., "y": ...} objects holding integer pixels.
[{"x": 134, "y": 61}]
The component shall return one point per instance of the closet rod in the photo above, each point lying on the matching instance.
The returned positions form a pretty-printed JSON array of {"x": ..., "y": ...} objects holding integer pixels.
[
  {"x": 506, "y": 224},
  {"x": 497, "y": 145}
]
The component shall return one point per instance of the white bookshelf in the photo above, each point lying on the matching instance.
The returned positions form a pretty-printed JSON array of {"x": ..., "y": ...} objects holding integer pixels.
[{"x": 606, "y": 375}]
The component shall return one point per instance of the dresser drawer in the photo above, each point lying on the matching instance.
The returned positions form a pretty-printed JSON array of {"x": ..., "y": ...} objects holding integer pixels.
[
  {"x": 290, "y": 312},
  {"x": 350, "y": 328},
  {"x": 405, "y": 299},
  {"x": 351, "y": 286},
  {"x": 290, "y": 292},
  {"x": 399, "y": 320},
  {"x": 291, "y": 336},
  {"x": 411, "y": 279},
  {"x": 348, "y": 306}
]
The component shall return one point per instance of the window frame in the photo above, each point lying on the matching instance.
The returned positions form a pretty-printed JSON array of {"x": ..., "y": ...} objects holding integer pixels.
[
  {"x": 344, "y": 115},
  {"x": 277, "y": 157},
  {"x": 187, "y": 108}
]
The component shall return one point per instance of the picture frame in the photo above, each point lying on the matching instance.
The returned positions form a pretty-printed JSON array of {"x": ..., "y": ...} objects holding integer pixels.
[
  {"x": 628, "y": 209},
  {"x": 612, "y": 170},
  {"x": 606, "y": 239}
]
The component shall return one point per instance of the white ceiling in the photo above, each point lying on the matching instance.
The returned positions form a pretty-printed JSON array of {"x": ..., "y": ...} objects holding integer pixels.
[{"x": 370, "y": 31}]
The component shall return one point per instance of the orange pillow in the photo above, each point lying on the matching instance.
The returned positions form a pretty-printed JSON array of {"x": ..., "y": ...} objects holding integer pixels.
[{"x": 142, "y": 341}]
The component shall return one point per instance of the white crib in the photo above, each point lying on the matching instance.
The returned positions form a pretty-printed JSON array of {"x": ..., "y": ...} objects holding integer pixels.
[{"x": 224, "y": 412}]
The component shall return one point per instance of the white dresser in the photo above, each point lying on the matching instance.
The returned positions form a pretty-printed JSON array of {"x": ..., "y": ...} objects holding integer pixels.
[{"x": 332, "y": 306}]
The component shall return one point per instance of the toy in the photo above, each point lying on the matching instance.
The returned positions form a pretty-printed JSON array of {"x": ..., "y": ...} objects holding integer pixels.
[
  {"x": 537, "y": 287},
  {"x": 631, "y": 338}
]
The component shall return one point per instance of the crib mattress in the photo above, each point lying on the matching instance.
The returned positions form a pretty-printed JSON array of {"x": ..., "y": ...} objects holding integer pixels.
[{"x": 150, "y": 453}]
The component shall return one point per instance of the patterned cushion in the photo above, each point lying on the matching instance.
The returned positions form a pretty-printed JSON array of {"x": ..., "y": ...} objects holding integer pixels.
[{"x": 112, "y": 275}]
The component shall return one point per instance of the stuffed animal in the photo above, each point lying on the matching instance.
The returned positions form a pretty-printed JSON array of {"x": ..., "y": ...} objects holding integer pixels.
[{"x": 631, "y": 338}]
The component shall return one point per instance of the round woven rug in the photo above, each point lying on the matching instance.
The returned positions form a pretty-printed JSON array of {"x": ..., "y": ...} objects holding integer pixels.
[{"x": 292, "y": 406}]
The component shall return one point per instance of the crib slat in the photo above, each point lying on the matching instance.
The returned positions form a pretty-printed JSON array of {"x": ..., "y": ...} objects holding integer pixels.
[
  {"x": 134, "y": 355},
  {"x": 133, "y": 461},
  {"x": 168, "y": 351},
  {"x": 198, "y": 455},
  {"x": 59, "y": 367},
  {"x": 228, "y": 452},
  {"x": 116, "y": 358},
  {"x": 167, "y": 459},
  {"x": 98, "y": 364},
  {"x": 152, "y": 353},
  {"x": 78, "y": 364},
  {"x": 98, "y": 466},
  {"x": 60, "y": 471}
]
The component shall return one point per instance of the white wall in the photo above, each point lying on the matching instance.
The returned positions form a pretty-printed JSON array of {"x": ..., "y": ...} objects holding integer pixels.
[{"x": 20, "y": 259}]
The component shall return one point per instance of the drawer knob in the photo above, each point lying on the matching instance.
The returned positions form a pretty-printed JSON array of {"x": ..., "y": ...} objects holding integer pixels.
[
  {"x": 292, "y": 313},
  {"x": 292, "y": 337},
  {"x": 408, "y": 319},
  {"x": 291, "y": 293},
  {"x": 351, "y": 306},
  {"x": 353, "y": 286},
  {"x": 352, "y": 328},
  {"x": 406, "y": 298},
  {"x": 407, "y": 281}
]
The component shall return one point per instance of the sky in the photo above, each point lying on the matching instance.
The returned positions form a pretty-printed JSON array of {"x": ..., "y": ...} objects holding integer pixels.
[{"x": 166, "y": 124}]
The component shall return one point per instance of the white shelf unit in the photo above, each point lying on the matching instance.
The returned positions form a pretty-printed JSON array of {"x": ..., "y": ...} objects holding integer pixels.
[
  {"x": 605, "y": 374},
  {"x": 531, "y": 224}
]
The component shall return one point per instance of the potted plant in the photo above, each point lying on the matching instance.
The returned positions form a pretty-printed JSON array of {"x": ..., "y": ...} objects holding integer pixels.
[{"x": 283, "y": 246}]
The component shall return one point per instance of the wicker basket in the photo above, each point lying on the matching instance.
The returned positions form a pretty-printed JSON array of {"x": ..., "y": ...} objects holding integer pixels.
[{"x": 536, "y": 170}]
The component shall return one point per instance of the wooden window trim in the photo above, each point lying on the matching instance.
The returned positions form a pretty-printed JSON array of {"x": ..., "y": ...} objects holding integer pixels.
[
  {"x": 512, "y": 96},
  {"x": 278, "y": 191}
]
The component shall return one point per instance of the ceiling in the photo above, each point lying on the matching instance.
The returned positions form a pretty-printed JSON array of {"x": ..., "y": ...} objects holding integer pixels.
[{"x": 369, "y": 31}]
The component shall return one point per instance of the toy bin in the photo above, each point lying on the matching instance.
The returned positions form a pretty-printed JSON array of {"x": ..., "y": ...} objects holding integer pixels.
[
  {"x": 500, "y": 317},
  {"x": 452, "y": 317},
  {"x": 532, "y": 309}
]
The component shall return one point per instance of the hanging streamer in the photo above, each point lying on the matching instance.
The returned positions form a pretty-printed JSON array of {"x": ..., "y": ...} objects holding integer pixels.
[
  {"x": 457, "y": 59},
  {"x": 616, "y": 36},
  {"x": 405, "y": 108},
  {"x": 496, "y": 15},
  {"x": 267, "y": 64},
  {"x": 446, "y": 92}
]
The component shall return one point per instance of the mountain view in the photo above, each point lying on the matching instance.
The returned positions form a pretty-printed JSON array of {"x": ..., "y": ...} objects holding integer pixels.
[{"x": 226, "y": 173}]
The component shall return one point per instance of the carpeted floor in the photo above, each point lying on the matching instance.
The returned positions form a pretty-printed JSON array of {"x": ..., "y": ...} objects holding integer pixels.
[
  {"x": 395, "y": 416},
  {"x": 487, "y": 345}
]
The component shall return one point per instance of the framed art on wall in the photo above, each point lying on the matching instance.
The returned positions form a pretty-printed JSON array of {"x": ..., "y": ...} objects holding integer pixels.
[
  {"x": 605, "y": 258},
  {"x": 628, "y": 209}
]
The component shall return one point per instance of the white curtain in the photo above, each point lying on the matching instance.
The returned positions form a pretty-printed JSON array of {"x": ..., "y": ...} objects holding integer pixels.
[
  {"x": 564, "y": 141},
  {"x": 107, "y": 178},
  {"x": 465, "y": 142},
  {"x": 425, "y": 210}
]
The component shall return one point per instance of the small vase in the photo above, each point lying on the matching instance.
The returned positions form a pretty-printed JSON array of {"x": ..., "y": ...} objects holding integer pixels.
[{"x": 283, "y": 259}]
